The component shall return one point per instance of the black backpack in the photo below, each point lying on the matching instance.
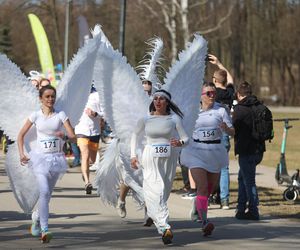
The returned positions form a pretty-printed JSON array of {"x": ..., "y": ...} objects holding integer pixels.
[{"x": 262, "y": 128}]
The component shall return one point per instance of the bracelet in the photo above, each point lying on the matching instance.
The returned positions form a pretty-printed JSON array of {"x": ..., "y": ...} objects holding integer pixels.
[{"x": 182, "y": 142}]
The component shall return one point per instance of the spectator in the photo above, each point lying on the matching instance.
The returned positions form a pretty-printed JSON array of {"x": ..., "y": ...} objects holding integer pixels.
[
  {"x": 250, "y": 152},
  {"x": 224, "y": 95}
]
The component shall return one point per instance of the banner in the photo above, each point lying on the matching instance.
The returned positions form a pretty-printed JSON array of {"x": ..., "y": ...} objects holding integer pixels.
[{"x": 43, "y": 47}]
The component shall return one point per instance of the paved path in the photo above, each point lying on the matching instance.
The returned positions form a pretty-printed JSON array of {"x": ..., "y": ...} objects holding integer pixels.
[{"x": 83, "y": 222}]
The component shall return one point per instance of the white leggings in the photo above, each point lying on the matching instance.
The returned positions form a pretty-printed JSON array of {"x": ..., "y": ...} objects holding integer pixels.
[{"x": 46, "y": 186}]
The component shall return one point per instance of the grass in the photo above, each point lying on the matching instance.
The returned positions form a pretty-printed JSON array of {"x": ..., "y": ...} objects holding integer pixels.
[{"x": 272, "y": 154}]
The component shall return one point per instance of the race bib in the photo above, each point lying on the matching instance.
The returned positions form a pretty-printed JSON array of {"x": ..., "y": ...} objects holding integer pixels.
[
  {"x": 207, "y": 134},
  {"x": 161, "y": 150},
  {"x": 50, "y": 145}
]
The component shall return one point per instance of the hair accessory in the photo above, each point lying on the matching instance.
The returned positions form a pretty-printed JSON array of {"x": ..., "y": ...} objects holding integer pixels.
[{"x": 148, "y": 65}]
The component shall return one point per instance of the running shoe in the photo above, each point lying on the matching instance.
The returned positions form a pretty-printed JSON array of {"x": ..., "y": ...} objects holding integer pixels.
[
  {"x": 121, "y": 208},
  {"x": 167, "y": 236},
  {"x": 35, "y": 228},
  {"x": 224, "y": 205},
  {"x": 88, "y": 188},
  {"x": 207, "y": 228},
  {"x": 46, "y": 237},
  {"x": 189, "y": 195}
]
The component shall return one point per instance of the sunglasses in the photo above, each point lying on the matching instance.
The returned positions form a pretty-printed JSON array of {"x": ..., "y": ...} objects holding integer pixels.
[{"x": 209, "y": 93}]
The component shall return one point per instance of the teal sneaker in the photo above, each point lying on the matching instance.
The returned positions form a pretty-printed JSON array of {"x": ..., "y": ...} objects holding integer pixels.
[{"x": 35, "y": 228}]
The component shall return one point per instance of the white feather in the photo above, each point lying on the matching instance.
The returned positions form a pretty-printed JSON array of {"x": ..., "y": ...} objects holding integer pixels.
[
  {"x": 121, "y": 95},
  {"x": 149, "y": 65},
  {"x": 19, "y": 100},
  {"x": 108, "y": 176},
  {"x": 75, "y": 85},
  {"x": 185, "y": 78}
]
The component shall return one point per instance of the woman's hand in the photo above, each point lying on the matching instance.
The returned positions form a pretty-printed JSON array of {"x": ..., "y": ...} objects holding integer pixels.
[
  {"x": 24, "y": 159},
  {"x": 175, "y": 142},
  {"x": 134, "y": 163},
  {"x": 226, "y": 129},
  {"x": 60, "y": 134}
]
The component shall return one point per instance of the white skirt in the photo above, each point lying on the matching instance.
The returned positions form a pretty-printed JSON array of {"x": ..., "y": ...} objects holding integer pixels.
[
  {"x": 45, "y": 164},
  {"x": 211, "y": 157}
]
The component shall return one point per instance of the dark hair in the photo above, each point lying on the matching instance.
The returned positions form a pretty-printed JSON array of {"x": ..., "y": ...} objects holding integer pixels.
[
  {"x": 244, "y": 89},
  {"x": 43, "y": 89},
  {"x": 170, "y": 105},
  {"x": 147, "y": 81},
  {"x": 209, "y": 84}
]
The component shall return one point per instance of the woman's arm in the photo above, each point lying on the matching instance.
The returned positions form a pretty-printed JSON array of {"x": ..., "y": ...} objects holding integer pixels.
[
  {"x": 138, "y": 129},
  {"x": 70, "y": 131},
  {"x": 182, "y": 134},
  {"x": 23, "y": 158}
]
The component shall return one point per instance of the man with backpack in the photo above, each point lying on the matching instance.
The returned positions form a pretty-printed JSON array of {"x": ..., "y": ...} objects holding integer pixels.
[{"x": 250, "y": 118}]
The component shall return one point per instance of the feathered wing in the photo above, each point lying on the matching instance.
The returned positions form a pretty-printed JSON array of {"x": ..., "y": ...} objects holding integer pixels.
[
  {"x": 108, "y": 176},
  {"x": 185, "y": 79},
  {"x": 74, "y": 89},
  {"x": 149, "y": 65},
  {"x": 18, "y": 100},
  {"x": 122, "y": 98},
  {"x": 124, "y": 102}
]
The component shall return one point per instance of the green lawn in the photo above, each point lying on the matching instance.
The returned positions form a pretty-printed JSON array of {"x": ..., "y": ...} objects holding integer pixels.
[{"x": 272, "y": 154}]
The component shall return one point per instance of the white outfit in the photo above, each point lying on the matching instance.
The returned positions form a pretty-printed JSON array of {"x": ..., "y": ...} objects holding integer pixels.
[
  {"x": 158, "y": 172},
  {"x": 47, "y": 161},
  {"x": 209, "y": 156},
  {"x": 90, "y": 126}
]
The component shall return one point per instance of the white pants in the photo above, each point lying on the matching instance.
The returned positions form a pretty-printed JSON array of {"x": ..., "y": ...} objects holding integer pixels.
[{"x": 46, "y": 185}]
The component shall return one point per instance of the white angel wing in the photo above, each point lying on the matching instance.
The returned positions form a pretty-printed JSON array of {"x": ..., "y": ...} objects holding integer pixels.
[
  {"x": 19, "y": 99},
  {"x": 121, "y": 95},
  {"x": 74, "y": 88},
  {"x": 108, "y": 177},
  {"x": 185, "y": 78},
  {"x": 149, "y": 65}
]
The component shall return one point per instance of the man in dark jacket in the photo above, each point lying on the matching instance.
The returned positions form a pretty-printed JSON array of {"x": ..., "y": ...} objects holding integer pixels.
[{"x": 250, "y": 153}]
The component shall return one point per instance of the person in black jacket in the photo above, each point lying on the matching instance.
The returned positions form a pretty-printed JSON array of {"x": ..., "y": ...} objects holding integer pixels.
[{"x": 250, "y": 153}]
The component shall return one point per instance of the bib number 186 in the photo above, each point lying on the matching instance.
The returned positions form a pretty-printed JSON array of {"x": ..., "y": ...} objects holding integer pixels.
[{"x": 161, "y": 150}]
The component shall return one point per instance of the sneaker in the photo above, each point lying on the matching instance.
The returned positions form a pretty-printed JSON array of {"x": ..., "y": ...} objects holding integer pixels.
[
  {"x": 207, "y": 228},
  {"x": 246, "y": 216},
  {"x": 189, "y": 195},
  {"x": 75, "y": 164},
  {"x": 88, "y": 188},
  {"x": 46, "y": 237},
  {"x": 194, "y": 212},
  {"x": 167, "y": 236},
  {"x": 35, "y": 228},
  {"x": 121, "y": 208},
  {"x": 148, "y": 222},
  {"x": 224, "y": 205},
  {"x": 94, "y": 167}
]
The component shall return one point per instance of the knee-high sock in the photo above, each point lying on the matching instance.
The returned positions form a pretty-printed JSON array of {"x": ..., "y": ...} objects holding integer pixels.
[{"x": 201, "y": 204}]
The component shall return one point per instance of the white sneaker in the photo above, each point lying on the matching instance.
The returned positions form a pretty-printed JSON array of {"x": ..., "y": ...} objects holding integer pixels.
[
  {"x": 35, "y": 228},
  {"x": 121, "y": 208},
  {"x": 94, "y": 167}
]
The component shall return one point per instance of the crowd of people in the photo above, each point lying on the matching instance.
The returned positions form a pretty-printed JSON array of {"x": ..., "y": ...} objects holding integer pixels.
[{"x": 204, "y": 156}]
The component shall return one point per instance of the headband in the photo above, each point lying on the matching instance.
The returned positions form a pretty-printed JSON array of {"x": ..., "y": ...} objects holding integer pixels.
[{"x": 161, "y": 93}]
